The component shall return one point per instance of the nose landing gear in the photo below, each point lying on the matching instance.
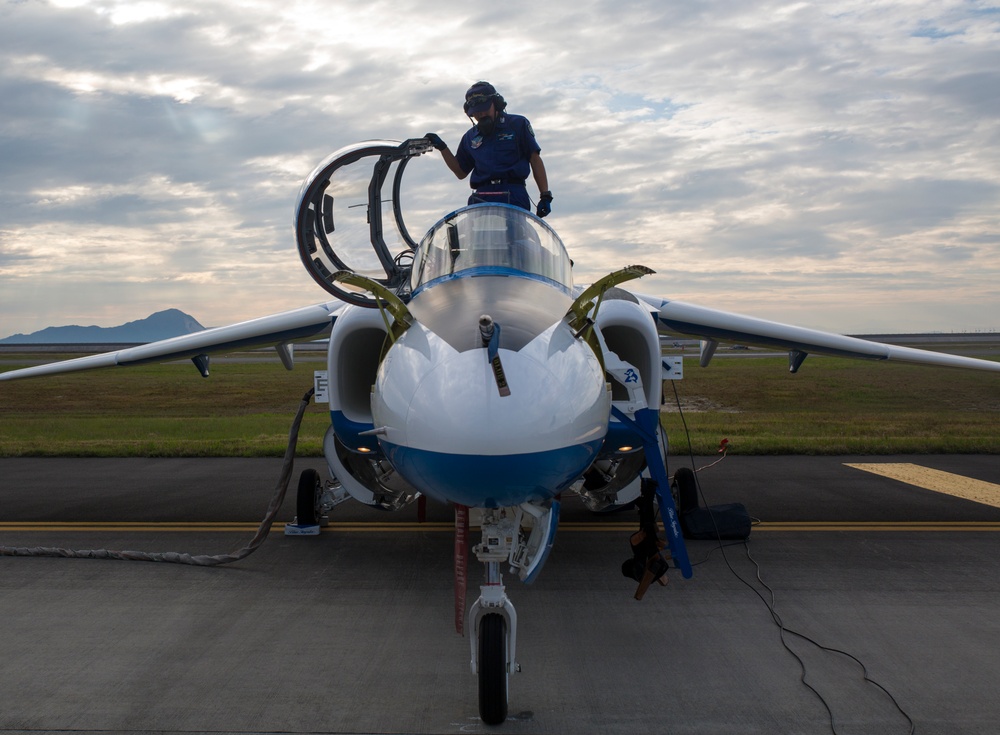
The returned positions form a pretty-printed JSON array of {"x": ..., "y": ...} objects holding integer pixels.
[{"x": 493, "y": 639}]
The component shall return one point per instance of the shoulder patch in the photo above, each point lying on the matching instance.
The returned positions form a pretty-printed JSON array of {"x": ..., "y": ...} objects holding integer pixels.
[{"x": 531, "y": 130}]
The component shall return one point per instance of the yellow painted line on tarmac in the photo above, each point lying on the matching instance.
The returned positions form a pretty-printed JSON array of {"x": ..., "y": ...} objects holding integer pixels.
[
  {"x": 221, "y": 527},
  {"x": 211, "y": 527},
  {"x": 880, "y": 526},
  {"x": 102, "y": 526},
  {"x": 445, "y": 527},
  {"x": 387, "y": 526},
  {"x": 947, "y": 483}
]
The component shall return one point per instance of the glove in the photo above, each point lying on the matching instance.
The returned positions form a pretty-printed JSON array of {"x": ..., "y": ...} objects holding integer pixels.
[
  {"x": 544, "y": 204},
  {"x": 435, "y": 140}
]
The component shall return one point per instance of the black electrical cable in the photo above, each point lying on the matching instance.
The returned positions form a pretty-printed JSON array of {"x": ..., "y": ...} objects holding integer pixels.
[
  {"x": 172, "y": 557},
  {"x": 777, "y": 619},
  {"x": 712, "y": 551},
  {"x": 782, "y": 628}
]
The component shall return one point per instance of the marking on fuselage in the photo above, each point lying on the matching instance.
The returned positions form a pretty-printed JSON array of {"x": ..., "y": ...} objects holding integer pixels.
[{"x": 947, "y": 483}]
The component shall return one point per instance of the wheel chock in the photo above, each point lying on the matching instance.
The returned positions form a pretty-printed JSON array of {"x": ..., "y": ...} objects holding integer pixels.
[{"x": 294, "y": 529}]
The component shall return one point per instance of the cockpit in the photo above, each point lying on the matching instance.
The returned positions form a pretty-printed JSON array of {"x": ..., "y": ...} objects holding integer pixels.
[{"x": 491, "y": 240}]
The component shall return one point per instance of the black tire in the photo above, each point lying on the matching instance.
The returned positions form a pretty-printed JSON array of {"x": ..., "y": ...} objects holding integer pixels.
[
  {"x": 307, "y": 510},
  {"x": 687, "y": 490},
  {"x": 493, "y": 669}
]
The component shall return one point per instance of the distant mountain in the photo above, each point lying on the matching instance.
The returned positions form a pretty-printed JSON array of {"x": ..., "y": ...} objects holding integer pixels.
[{"x": 161, "y": 325}]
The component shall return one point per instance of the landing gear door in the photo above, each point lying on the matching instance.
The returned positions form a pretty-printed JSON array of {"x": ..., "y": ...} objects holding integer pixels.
[{"x": 349, "y": 217}]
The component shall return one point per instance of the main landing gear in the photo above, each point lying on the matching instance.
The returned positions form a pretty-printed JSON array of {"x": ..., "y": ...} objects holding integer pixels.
[
  {"x": 313, "y": 500},
  {"x": 493, "y": 637}
]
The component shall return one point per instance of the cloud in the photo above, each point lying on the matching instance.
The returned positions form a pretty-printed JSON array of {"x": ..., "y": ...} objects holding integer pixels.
[{"x": 152, "y": 152}]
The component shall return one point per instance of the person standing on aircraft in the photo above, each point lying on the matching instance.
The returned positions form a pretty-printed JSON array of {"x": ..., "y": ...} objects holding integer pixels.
[{"x": 499, "y": 151}]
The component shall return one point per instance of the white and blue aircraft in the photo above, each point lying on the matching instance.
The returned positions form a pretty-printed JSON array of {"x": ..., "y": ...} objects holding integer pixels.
[{"x": 472, "y": 370}]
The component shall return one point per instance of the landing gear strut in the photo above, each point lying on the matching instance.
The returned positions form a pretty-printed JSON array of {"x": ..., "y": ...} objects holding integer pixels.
[{"x": 313, "y": 500}]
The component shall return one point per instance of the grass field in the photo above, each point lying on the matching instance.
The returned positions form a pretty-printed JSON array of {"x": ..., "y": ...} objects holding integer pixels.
[
  {"x": 832, "y": 406},
  {"x": 836, "y": 406}
]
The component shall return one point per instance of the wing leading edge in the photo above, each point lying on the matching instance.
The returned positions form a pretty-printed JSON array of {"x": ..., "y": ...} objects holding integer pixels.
[
  {"x": 674, "y": 316},
  {"x": 276, "y": 329},
  {"x": 713, "y": 324}
]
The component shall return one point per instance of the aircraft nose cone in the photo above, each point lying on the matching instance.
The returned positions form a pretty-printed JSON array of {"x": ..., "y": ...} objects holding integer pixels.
[{"x": 451, "y": 433}]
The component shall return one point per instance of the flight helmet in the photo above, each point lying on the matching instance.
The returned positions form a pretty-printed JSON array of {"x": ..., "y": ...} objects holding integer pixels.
[{"x": 479, "y": 96}]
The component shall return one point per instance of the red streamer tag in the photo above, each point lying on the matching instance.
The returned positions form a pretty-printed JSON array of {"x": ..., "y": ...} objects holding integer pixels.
[{"x": 461, "y": 565}]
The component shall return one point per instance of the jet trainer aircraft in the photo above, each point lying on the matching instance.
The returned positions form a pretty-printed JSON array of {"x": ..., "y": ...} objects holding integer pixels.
[{"x": 469, "y": 368}]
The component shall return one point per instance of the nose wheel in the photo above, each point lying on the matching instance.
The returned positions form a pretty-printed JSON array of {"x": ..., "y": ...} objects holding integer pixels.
[
  {"x": 494, "y": 621},
  {"x": 493, "y": 669},
  {"x": 494, "y": 625}
]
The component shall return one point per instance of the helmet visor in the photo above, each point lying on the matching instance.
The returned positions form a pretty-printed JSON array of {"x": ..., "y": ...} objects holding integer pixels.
[{"x": 477, "y": 104}]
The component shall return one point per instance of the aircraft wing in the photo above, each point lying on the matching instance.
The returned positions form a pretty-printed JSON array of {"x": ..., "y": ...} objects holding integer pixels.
[
  {"x": 276, "y": 329},
  {"x": 715, "y": 325}
]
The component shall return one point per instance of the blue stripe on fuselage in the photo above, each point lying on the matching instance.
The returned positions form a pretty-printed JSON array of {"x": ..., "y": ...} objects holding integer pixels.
[
  {"x": 348, "y": 432},
  {"x": 492, "y": 481},
  {"x": 493, "y": 270}
]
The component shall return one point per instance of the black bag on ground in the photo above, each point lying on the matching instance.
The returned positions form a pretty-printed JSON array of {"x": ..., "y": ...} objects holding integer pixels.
[{"x": 725, "y": 522}]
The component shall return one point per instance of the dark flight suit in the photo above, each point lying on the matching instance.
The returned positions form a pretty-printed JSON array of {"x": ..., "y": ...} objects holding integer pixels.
[{"x": 499, "y": 161}]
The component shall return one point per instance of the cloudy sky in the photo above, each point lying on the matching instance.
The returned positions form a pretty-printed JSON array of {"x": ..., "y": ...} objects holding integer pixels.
[{"x": 830, "y": 164}]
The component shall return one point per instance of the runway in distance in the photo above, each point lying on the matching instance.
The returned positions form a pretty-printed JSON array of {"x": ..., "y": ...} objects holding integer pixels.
[{"x": 470, "y": 368}]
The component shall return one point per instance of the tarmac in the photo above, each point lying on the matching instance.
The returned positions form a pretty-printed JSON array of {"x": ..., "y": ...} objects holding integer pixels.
[{"x": 352, "y": 631}]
